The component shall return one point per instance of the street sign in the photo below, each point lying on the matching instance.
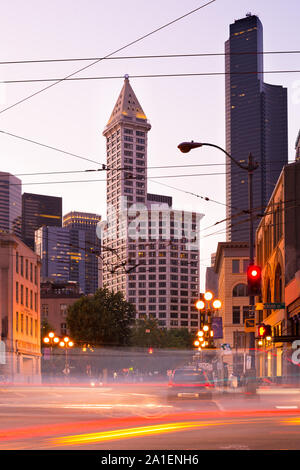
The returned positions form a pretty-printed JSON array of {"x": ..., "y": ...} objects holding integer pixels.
[
  {"x": 274, "y": 306},
  {"x": 250, "y": 325}
]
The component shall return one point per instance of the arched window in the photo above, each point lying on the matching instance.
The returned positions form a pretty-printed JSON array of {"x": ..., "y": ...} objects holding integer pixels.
[
  {"x": 240, "y": 290},
  {"x": 268, "y": 292},
  {"x": 278, "y": 284}
]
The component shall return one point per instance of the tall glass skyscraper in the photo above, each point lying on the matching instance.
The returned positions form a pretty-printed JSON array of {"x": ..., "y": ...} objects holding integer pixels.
[
  {"x": 39, "y": 210},
  {"x": 256, "y": 122},
  {"x": 87, "y": 222},
  {"x": 10, "y": 204}
]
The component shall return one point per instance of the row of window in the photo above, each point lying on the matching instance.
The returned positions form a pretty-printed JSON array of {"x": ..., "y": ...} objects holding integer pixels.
[
  {"x": 45, "y": 310},
  {"x": 239, "y": 266},
  {"x": 26, "y": 268},
  {"x": 26, "y": 325},
  {"x": 26, "y": 297}
]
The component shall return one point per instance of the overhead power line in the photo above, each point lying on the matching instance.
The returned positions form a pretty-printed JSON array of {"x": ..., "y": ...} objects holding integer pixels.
[
  {"x": 155, "y": 75},
  {"x": 108, "y": 55},
  {"x": 153, "y": 56}
]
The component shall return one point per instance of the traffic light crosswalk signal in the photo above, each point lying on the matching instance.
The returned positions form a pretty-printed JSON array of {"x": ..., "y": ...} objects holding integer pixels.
[{"x": 264, "y": 331}]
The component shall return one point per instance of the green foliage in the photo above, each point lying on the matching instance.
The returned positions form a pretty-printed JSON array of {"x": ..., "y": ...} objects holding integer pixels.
[
  {"x": 102, "y": 319},
  {"x": 147, "y": 333}
]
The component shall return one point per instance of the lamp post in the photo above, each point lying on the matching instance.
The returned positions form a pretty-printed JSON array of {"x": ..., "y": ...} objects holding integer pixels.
[
  {"x": 66, "y": 343},
  {"x": 205, "y": 335},
  {"x": 51, "y": 340},
  {"x": 185, "y": 147}
]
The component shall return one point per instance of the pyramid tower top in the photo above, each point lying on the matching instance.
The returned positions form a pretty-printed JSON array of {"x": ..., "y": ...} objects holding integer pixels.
[{"x": 127, "y": 107}]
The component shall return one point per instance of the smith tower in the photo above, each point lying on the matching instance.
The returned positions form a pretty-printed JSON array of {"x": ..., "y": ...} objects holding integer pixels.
[
  {"x": 126, "y": 139},
  {"x": 150, "y": 251},
  {"x": 256, "y": 122}
]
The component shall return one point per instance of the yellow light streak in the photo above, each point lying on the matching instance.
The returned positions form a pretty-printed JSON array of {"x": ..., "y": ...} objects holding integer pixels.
[{"x": 131, "y": 433}]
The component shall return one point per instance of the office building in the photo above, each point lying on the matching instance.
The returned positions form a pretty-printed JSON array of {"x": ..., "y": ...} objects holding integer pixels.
[
  {"x": 88, "y": 222},
  {"x": 65, "y": 256},
  {"x": 256, "y": 123},
  {"x": 150, "y": 251},
  {"x": 39, "y": 210},
  {"x": 56, "y": 298},
  {"x": 19, "y": 311},
  {"x": 10, "y": 204}
]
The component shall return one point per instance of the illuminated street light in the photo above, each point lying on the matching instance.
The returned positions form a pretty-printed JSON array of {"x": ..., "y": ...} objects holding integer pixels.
[
  {"x": 208, "y": 296},
  {"x": 207, "y": 303},
  {"x": 66, "y": 343},
  {"x": 217, "y": 304},
  {"x": 200, "y": 305}
]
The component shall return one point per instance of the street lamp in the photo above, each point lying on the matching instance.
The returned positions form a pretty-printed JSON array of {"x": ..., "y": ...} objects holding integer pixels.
[
  {"x": 205, "y": 334},
  {"x": 51, "y": 339},
  {"x": 185, "y": 147},
  {"x": 66, "y": 343}
]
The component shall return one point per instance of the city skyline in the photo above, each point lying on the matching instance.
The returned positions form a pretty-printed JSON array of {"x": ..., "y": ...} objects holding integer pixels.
[{"x": 71, "y": 116}]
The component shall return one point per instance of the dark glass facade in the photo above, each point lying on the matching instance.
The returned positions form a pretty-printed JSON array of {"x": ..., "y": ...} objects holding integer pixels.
[
  {"x": 256, "y": 122},
  {"x": 37, "y": 211},
  {"x": 85, "y": 223},
  {"x": 10, "y": 204}
]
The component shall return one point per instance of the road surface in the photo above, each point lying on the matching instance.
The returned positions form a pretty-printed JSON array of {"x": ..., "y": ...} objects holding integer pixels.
[{"x": 138, "y": 416}]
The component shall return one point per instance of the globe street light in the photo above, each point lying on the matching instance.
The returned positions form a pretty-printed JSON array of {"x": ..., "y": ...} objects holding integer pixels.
[
  {"x": 66, "y": 343},
  {"x": 205, "y": 334}
]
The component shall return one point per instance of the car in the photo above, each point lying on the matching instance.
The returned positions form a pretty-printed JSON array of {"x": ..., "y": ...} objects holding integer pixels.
[{"x": 189, "y": 383}]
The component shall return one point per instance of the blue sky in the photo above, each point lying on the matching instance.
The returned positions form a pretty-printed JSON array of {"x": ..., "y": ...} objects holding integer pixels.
[{"x": 72, "y": 115}]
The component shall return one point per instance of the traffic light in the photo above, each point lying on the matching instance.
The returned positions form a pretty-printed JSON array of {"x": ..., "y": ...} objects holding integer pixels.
[
  {"x": 254, "y": 279},
  {"x": 264, "y": 331}
]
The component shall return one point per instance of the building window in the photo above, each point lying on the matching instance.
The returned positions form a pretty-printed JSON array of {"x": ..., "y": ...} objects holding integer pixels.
[
  {"x": 278, "y": 284},
  {"x": 63, "y": 328},
  {"x": 17, "y": 292},
  {"x": 245, "y": 265},
  {"x": 240, "y": 290},
  {"x": 236, "y": 315},
  {"x": 245, "y": 313},
  {"x": 235, "y": 266},
  {"x": 44, "y": 310}
]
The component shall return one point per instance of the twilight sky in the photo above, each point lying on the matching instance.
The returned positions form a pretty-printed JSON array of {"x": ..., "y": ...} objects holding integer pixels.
[{"x": 73, "y": 114}]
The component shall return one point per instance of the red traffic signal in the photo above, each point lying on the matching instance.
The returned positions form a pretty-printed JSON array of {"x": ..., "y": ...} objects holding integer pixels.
[{"x": 254, "y": 279}]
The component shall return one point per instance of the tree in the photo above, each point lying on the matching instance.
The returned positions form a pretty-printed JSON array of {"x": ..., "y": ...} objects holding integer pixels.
[
  {"x": 146, "y": 333},
  {"x": 101, "y": 319},
  {"x": 180, "y": 338}
]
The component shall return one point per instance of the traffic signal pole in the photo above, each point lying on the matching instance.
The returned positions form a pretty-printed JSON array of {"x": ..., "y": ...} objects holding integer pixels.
[{"x": 251, "y": 167}]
